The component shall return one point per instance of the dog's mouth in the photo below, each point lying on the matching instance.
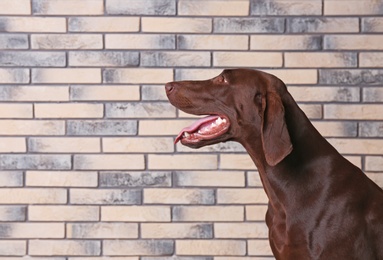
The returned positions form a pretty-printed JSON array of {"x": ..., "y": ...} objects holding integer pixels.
[{"x": 205, "y": 129}]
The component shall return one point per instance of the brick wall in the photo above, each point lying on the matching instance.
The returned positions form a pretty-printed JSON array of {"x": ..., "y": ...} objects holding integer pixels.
[{"x": 88, "y": 165}]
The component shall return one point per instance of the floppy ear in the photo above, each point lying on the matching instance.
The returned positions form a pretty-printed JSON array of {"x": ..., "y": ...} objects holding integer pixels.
[{"x": 275, "y": 136}]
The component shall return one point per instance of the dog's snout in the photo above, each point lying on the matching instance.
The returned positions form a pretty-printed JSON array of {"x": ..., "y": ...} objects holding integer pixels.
[{"x": 169, "y": 87}]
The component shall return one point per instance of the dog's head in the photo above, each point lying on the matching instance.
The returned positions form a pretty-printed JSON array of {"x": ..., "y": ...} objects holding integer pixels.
[{"x": 241, "y": 105}]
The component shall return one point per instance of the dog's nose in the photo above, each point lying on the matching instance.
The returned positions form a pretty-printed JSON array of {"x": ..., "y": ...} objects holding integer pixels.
[{"x": 169, "y": 87}]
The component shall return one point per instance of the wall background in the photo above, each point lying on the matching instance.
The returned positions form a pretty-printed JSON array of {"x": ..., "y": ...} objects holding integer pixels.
[{"x": 88, "y": 165}]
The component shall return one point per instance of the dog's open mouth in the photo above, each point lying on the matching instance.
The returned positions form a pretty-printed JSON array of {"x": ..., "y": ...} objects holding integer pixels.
[{"x": 207, "y": 128}]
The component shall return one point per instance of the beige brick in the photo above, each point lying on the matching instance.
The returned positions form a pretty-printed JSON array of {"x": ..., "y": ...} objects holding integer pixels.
[
  {"x": 241, "y": 196},
  {"x": 16, "y": 111},
  {"x": 356, "y": 160},
  {"x": 373, "y": 24},
  {"x": 68, "y": 7},
  {"x": 323, "y": 25},
  {"x": 353, "y": 42},
  {"x": 374, "y": 163},
  {"x": 29, "y": 127},
  {"x": 325, "y": 94},
  {"x": 182, "y": 162},
  {"x": 320, "y": 59},
  {"x": 336, "y": 129},
  {"x": 105, "y": 196},
  {"x": 64, "y": 247},
  {"x": 11, "y": 7},
  {"x": 247, "y": 59},
  {"x": 176, "y": 230},
  {"x": 178, "y": 196},
  {"x": 254, "y": 179},
  {"x": 105, "y": 92},
  {"x": 176, "y": 25},
  {"x": 61, "y": 178},
  {"x": 33, "y": 230},
  {"x": 312, "y": 111},
  {"x": 287, "y": 7},
  {"x": 136, "y": 213},
  {"x": 140, "y": 110},
  {"x": 296, "y": 76},
  {"x": 34, "y": 93},
  {"x": 63, "y": 213},
  {"x": 109, "y": 162},
  {"x": 211, "y": 247},
  {"x": 103, "y": 59},
  {"x": 139, "y": 41},
  {"x": 259, "y": 247},
  {"x": 138, "y": 145},
  {"x": 196, "y": 74},
  {"x": 354, "y": 112},
  {"x": 213, "y": 8},
  {"x": 134, "y": 76},
  {"x": 66, "y": 41},
  {"x": 283, "y": 42},
  {"x": 34, "y": 24},
  {"x": 66, "y": 76},
  {"x": 162, "y": 127},
  {"x": 357, "y": 146},
  {"x": 376, "y": 177},
  {"x": 371, "y": 59},
  {"x": 11, "y": 179},
  {"x": 12, "y": 145},
  {"x": 208, "y": 213},
  {"x": 256, "y": 212},
  {"x": 103, "y": 24},
  {"x": 64, "y": 145},
  {"x": 213, "y": 42},
  {"x": 102, "y": 230},
  {"x": 13, "y": 248},
  {"x": 69, "y": 110},
  {"x": 12, "y": 76},
  {"x": 33, "y": 196},
  {"x": 241, "y": 230},
  {"x": 353, "y": 7},
  {"x": 210, "y": 179},
  {"x": 138, "y": 247},
  {"x": 236, "y": 162}
]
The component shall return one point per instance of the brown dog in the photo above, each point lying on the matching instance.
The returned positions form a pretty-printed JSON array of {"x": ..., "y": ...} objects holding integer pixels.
[{"x": 320, "y": 205}]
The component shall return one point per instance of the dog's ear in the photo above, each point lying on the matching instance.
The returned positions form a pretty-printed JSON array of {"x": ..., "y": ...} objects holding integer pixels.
[{"x": 275, "y": 136}]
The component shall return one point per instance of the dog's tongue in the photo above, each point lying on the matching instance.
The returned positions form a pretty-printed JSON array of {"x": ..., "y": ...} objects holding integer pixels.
[{"x": 196, "y": 125}]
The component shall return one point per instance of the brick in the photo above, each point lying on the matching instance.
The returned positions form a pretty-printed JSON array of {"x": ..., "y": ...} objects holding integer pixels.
[
  {"x": 12, "y": 213},
  {"x": 35, "y": 162},
  {"x": 322, "y": 25},
  {"x": 376, "y": 177},
  {"x": 29, "y": 127},
  {"x": 182, "y": 162},
  {"x": 14, "y": 76},
  {"x": 32, "y": 196},
  {"x": 312, "y": 111},
  {"x": 285, "y": 42},
  {"x": 256, "y": 212},
  {"x": 11, "y": 179},
  {"x": 103, "y": 59},
  {"x": 13, "y": 41},
  {"x": 105, "y": 92},
  {"x": 353, "y": 42},
  {"x": 196, "y": 74},
  {"x": 64, "y": 247},
  {"x": 175, "y": 230},
  {"x": 354, "y": 112},
  {"x": 213, "y": 8},
  {"x": 371, "y": 129},
  {"x": 208, "y": 213},
  {"x": 353, "y": 7},
  {"x": 137, "y": 7},
  {"x": 351, "y": 77},
  {"x": 322, "y": 59},
  {"x": 66, "y": 41},
  {"x": 64, "y": 145},
  {"x": 32, "y": 230},
  {"x": 337, "y": 129},
  {"x": 373, "y": 24},
  {"x": 139, "y": 110},
  {"x": 68, "y": 7},
  {"x": 103, "y": 24},
  {"x": 370, "y": 59},
  {"x": 33, "y": 24},
  {"x": 372, "y": 94},
  {"x": 210, "y": 179},
  {"x": 247, "y": 59},
  {"x": 241, "y": 196},
  {"x": 140, "y": 76},
  {"x": 283, "y": 7},
  {"x": 11, "y": 7},
  {"x": 66, "y": 76},
  {"x": 102, "y": 230},
  {"x": 69, "y": 110},
  {"x": 162, "y": 127},
  {"x": 179, "y": 196},
  {"x": 325, "y": 94},
  {"x": 12, "y": 145},
  {"x": 175, "y": 59},
  {"x": 113, "y": 197},
  {"x": 135, "y": 213},
  {"x": 135, "y": 179},
  {"x": 226, "y": 147},
  {"x": 236, "y": 162},
  {"x": 63, "y": 213},
  {"x": 138, "y": 145},
  {"x": 241, "y": 230},
  {"x": 153, "y": 93},
  {"x": 296, "y": 76},
  {"x": 356, "y": 160},
  {"x": 61, "y": 178},
  {"x": 34, "y": 93},
  {"x": 259, "y": 247},
  {"x": 101, "y": 127},
  {"x": 13, "y": 248},
  {"x": 211, "y": 247},
  {"x": 357, "y": 146},
  {"x": 374, "y": 163},
  {"x": 114, "y": 162},
  {"x": 138, "y": 247},
  {"x": 249, "y": 25},
  {"x": 140, "y": 41},
  {"x": 212, "y": 42},
  {"x": 16, "y": 110},
  {"x": 176, "y": 25},
  {"x": 254, "y": 179}
]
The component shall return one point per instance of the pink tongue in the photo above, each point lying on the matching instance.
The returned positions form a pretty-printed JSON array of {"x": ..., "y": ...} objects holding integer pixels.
[{"x": 195, "y": 126}]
